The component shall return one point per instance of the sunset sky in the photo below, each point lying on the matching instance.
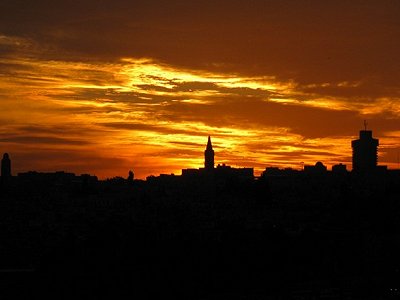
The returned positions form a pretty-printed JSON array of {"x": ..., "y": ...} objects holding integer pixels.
[{"x": 102, "y": 87}]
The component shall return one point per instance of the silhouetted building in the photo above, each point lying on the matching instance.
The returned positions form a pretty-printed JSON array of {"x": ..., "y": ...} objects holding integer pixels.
[
  {"x": 190, "y": 172},
  {"x": 365, "y": 152},
  {"x": 227, "y": 171},
  {"x": 209, "y": 156},
  {"x": 59, "y": 179},
  {"x": 339, "y": 169},
  {"x": 221, "y": 172},
  {"x": 6, "y": 166},
  {"x": 319, "y": 168},
  {"x": 275, "y": 171}
]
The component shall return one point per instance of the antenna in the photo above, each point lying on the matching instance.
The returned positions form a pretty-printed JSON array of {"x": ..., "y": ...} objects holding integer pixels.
[{"x": 365, "y": 125}]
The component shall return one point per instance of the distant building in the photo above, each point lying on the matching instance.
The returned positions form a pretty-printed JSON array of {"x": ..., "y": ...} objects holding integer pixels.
[
  {"x": 59, "y": 178},
  {"x": 220, "y": 172},
  {"x": 365, "y": 152},
  {"x": 318, "y": 168},
  {"x": 6, "y": 166},
  {"x": 227, "y": 171},
  {"x": 275, "y": 171},
  {"x": 190, "y": 172},
  {"x": 209, "y": 156},
  {"x": 339, "y": 169}
]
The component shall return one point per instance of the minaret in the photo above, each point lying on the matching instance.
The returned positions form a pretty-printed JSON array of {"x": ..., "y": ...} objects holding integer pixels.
[
  {"x": 209, "y": 156},
  {"x": 365, "y": 151},
  {"x": 5, "y": 166}
]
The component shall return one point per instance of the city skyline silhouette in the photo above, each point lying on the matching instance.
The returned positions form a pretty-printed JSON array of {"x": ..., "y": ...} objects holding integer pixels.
[{"x": 364, "y": 158}]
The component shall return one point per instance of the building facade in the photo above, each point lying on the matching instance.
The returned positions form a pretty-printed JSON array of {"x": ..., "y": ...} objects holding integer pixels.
[{"x": 365, "y": 152}]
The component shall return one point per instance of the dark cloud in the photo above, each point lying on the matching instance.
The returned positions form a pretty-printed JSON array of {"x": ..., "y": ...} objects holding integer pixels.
[
  {"x": 298, "y": 154},
  {"x": 308, "y": 121},
  {"x": 186, "y": 144},
  {"x": 365, "y": 91},
  {"x": 41, "y": 140},
  {"x": 310, "y": 41},
  {"x": 177, "y": 153},
  {"x": 150, "y": 127},
  {"x": 71, "y": 161},
  {"x": 55, "y": 130},
  {"x": 275, "y": 145}
]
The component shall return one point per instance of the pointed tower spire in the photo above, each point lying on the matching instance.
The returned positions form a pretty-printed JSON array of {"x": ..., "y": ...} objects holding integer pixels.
[
  {"x": 209, "y": 156},
  {"x": 209, "y": 145}
]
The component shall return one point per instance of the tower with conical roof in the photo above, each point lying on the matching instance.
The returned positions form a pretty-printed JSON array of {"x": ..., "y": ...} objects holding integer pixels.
[
  {"x": 365, "y": 151},
  {"x": 209, "y": 156}
]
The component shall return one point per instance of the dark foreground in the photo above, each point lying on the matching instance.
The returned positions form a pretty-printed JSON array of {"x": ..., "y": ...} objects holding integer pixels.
[{"x": 276, "y": 238}]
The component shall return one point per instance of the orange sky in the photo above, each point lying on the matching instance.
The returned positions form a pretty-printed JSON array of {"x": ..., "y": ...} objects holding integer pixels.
[{"x": 102, "y": 87}]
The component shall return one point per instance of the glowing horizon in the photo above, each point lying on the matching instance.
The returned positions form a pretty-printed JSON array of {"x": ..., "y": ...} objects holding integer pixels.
[{"x": 123, "y": 120}]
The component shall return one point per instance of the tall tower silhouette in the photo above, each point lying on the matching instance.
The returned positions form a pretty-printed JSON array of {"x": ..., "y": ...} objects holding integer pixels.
[
  {"x": 365, "y": 151},
  {"x": 6, "y": 166},
  {"x": 209, "y": 156}
]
